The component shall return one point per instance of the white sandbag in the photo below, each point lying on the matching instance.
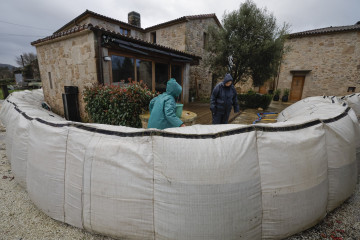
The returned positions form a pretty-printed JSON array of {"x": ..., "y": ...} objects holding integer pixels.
[
  {"x": 77, "y": 144},
  {"x": 342, "y": 166},
  {"x": 207, "y": 186},
  {"x": 353, "y": 101},
  {"x": 118, "y": 186},
  {"x": 305, "y": 105},
  {"x": 19, "y": 150},
  {"x": 293, "y": 168},
  {"x": 12, "y": 119},
  {"x": 46, "y": 168}
]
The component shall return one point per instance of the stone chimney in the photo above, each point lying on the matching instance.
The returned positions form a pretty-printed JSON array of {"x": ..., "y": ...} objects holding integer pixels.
[{"x": 134, "y": 19}]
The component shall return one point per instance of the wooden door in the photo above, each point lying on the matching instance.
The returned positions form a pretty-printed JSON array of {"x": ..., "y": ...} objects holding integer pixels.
[
  {"x": 297, "y": 88},
  {"x": 262, "y": 89}
]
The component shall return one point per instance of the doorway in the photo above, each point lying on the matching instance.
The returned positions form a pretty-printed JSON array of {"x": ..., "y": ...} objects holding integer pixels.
[{"x": 297, "y": 86}]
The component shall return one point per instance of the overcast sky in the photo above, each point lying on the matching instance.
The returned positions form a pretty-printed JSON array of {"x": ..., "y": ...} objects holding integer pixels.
[{"x": 24, "y": 21}]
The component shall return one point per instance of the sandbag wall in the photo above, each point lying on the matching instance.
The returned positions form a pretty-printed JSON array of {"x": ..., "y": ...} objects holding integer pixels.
[{"x": 266, "y": 181}]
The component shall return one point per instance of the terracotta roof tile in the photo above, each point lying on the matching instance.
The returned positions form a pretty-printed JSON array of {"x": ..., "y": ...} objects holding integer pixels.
[
  {"x": 104, "y": 30},
  {"x": 97, "y": 15},
  {"x": 327, "y": 30},
  {"x": 61, "y": 34},
  {"x": 184, "y": 19}
]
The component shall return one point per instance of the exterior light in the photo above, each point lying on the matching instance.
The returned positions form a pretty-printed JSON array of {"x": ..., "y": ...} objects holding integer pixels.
[{"x": 107, "y": 58}]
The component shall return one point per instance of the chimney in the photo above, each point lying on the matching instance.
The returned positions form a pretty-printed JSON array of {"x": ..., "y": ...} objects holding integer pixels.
[{"x": 134, "y": 19}]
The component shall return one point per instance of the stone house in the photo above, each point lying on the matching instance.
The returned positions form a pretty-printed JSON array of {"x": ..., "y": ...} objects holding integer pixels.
[
  {"x": 323, "y": 61},
  {"x": 93, "y": 48}
]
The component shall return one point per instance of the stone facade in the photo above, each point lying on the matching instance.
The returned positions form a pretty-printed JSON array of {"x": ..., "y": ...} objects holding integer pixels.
[
  {"x": 67, "y": 62},
  {"x": 200, "y": 75},
  {"x": 331, "y": 61},
  {"x": 171, "y": 36}
]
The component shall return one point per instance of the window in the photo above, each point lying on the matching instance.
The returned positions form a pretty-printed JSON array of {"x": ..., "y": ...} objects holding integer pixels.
[
  {"x": 351, "y": 89},
  {"x": 206, "y": 40},
  {"x": 125, "y": 31},
  {"x": 122, "y": 69},
  {"x": 176, "y": 73},
  {"x": 144, "y": 72},
  {"x": 161, "y": 77},
  {"x": 50, "y": 80},
  {"x": 153, "y": 37}
]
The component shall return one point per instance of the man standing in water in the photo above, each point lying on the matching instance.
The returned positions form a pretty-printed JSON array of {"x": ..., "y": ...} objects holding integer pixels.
[
  {"x": 163, "y": 107},
  {"x": 223, "y": 98}
]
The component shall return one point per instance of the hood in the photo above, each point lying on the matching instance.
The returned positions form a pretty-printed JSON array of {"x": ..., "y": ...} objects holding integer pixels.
[
  {"x": 227, "y": 78},
  {"x": 173, "y": 88}
]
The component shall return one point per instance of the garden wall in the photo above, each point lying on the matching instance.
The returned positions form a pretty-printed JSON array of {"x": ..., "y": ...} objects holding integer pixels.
[{"x": 263, "y": 181}]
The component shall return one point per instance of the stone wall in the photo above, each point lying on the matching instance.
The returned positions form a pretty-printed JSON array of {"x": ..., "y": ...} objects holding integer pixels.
[
  {"x": 172, "y": 36},
  {"x": 332, "y": 58},
  {"x": 200, "y": 75},
  {"x": 68, "y": 61}
]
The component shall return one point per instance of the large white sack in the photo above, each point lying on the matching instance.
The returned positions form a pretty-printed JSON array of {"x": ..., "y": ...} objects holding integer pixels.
[
  {"x": 207, "y": 186},
  {"x": 342, "y": 167},
  {"x": 12, "y": 119},
  {"x": 293, "y": 168},
  {"x": 118, "y": 186},
  {"x": 19, "y": 151},
  {"x": 46, "y": 167},
  {"x": 353, "y": 101},
  {"x": 304, "y": 105},
  {"x": 5, "y": 108},
  {"x": 77, "y": 144}
]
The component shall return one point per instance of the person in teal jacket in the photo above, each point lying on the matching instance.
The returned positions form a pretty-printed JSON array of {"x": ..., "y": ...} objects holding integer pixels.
[{"x": 163, "y": 107}]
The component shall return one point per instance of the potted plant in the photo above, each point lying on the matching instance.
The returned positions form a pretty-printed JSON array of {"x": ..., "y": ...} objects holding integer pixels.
[
  {"x": 285, "y": 96},
  {"x": 277, "y": 95}
]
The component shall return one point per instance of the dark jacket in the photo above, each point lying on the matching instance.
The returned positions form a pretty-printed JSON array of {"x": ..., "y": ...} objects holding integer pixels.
[
  {"x": 224, "y": 98},
  {"x": 163, "y": 107}
]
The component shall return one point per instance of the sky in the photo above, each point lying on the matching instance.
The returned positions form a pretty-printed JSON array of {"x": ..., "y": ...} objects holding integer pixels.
[{"x": 24, "y": 21}]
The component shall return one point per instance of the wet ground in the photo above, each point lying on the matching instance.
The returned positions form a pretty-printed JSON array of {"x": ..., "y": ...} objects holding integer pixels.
[
  {"x": 249, "y": 116},
  {"x": 246, "y": 116}
]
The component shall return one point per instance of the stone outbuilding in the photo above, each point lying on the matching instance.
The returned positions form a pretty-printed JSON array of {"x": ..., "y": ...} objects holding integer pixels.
[
  {"x": 93, "y": 49},
  {"x": 323, "y": 61}
]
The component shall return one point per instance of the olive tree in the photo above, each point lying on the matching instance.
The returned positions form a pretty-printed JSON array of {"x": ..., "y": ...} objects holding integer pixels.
[{"x": 250, "y": 45}]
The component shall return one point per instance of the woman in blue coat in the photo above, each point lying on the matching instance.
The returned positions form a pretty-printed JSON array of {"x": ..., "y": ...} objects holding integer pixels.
[
  {"x": 223, "y": 98},
  {"x": 163, "y": 107}
]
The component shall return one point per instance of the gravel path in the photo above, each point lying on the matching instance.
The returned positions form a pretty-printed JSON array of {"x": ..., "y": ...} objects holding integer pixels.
[{"x": 20, "y": 219}]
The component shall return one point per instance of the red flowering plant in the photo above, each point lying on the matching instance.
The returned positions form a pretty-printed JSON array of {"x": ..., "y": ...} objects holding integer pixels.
[{"x": 118, "y": 105}]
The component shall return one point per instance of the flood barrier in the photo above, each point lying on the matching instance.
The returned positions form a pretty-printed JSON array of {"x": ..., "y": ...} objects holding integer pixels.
[{"x": 263, "y": 181}]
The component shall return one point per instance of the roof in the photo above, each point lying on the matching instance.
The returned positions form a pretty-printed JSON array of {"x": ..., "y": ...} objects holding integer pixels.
[
  {"x": 88, "y": 13},
  {"x": 327, "y": 30},
  {"x": 184, "y": 19},
  {"x": 87, "y": 27}
]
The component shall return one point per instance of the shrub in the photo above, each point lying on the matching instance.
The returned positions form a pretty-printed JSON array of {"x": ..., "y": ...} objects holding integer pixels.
[
  {"x": 252, "y": 99},
  {"x": 117, "y": 105}
]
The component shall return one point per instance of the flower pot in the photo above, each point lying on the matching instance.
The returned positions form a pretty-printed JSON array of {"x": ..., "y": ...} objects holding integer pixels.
[
  {"x": 276, "y": 98},
  {"x": 285, "y": 98}
]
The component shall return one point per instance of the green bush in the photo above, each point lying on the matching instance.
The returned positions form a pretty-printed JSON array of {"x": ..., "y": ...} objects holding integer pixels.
[
  {"x": 118, "y": 105},
  {"x": 252, "y": 99}
]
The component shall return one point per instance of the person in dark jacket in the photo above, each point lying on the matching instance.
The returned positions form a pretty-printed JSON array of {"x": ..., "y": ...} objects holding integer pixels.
[
  {"x": 162, "y": 108},
  {"x": 223, "y": 98}
]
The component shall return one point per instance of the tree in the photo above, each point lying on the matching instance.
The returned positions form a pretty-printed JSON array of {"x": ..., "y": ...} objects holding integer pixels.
[
  {"x": 25, "y": 59},
  {"x": 250, "y": 45}
]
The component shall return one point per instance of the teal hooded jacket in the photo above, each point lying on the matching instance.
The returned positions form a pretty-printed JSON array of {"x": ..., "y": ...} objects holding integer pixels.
[{"x": 163, "y": 107}]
